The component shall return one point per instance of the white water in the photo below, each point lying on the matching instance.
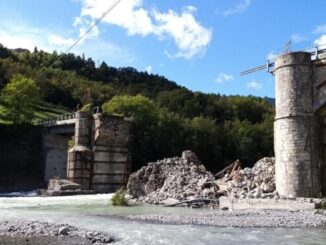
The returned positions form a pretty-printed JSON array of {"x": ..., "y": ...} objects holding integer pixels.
[{"x": 93, "y": 212}]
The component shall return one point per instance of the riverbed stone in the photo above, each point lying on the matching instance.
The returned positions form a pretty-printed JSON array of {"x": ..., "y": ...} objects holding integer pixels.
[{"x": 63, "y": 231}]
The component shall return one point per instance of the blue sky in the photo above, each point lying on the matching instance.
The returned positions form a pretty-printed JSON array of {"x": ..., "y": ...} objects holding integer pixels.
[{"x": 202, "y": 45}]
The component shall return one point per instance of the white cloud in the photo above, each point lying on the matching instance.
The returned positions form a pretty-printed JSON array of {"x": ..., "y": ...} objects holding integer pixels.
[
  {"x": 254, "y": 85},
  {"x": 271, "y": 55},
  {"x": 59, "y": 41},
  {"x": 222, "y": 77},
  {"x": 84, "y": 25},
  {"x": 18, "y": 35},
  {"x": 127, "y": 14},
  {"x": 149, "y": 69},
  {"x": 117, "y": 55},
  {"x": 189, "y": 36},
  {"x": 237, "y": 9},
  {"x": 298, "y": 38},
  {"x": 321, "y": 29},
  {"x": 321, "y": 41}
]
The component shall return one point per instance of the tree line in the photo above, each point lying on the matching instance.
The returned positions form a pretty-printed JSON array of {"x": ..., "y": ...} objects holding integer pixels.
[{"x": 168, "y": 118}]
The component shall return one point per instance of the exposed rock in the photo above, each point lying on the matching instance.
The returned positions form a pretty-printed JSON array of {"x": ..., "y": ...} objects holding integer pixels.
[{"x": 180, "y": 178}]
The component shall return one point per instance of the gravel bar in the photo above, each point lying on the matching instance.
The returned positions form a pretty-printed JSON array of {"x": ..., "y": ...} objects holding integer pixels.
[
  {"x": 36, "y": 232},
  {"x": 241, "y": 218}
]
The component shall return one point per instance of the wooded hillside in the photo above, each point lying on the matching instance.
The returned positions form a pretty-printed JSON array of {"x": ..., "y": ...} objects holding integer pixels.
[{"x": 168, "y": 118}]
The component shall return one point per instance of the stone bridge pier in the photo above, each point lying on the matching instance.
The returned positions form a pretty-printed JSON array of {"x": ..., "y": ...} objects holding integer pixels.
[
  {"x": 100, "y": 158},
  {"x": 299, "y": 126}
]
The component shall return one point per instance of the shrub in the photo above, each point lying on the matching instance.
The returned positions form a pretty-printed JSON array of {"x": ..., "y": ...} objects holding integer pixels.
[
  {"x": 87, "y": 108},
  {"x": 119, "y": 198},
  {"x": 71, "y": 142}
]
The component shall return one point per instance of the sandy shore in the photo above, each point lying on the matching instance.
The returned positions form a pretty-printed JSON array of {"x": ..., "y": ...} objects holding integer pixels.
[{"x": 241, "y": 218}]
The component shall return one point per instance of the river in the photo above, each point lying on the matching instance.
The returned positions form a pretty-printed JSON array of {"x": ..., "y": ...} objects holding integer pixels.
[{"x": 93, "y": 212}]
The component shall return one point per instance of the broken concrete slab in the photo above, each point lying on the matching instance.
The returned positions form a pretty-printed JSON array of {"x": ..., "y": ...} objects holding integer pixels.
[
  {"x": 62, "y": 185},
  {"x": 289, "y": 204}
]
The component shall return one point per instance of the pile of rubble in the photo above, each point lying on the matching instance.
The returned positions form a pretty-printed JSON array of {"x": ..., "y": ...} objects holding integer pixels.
[
  {"x": 180, "y": 178},
  {"x": 255, "y": 182},
  {"x": 185, "y": 178}
]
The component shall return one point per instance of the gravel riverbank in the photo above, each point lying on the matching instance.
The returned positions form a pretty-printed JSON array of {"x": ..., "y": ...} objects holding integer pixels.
[
  {"x": 241, "y": 218},
  {"x": 35, "y": 232}
]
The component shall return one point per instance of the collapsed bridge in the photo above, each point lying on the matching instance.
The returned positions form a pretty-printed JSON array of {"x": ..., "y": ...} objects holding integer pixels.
[
  {"x": 300, "y": 122},
  {"x": 98, "y": 160}
]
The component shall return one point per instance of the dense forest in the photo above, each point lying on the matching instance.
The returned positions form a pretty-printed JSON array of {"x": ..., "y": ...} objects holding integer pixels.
[{"x": 168, "y": 118}]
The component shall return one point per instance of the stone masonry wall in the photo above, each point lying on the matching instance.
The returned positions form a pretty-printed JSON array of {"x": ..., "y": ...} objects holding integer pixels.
[
  {"x": 296, "y": 150},
  {"x": 322, "y": 163},
  {"x": 111, "y": 154},
  {"x": 100, "y": 158},
  {"x": 319, "y": 81}
]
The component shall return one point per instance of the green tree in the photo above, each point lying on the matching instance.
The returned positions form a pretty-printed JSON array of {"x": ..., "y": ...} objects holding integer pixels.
[
  {"x": 144, "y": 113},
  {"x": 19, "y": 97},
  {"x": 204, "y": 138}
]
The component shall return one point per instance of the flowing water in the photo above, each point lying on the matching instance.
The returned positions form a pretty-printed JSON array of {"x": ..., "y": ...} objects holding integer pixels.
[{"x": 94, "y": 213}]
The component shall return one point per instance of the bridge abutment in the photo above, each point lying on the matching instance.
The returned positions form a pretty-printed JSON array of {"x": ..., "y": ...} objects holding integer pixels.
[{"x": 55, "y": 153}]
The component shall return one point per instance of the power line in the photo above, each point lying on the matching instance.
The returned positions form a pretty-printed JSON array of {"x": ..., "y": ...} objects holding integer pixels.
[{"x": 94, "y": 24}]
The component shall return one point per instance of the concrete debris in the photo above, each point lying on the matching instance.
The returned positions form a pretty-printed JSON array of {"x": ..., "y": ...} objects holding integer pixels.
[
  {"x": 64, "y": 187},
  {"x": 255, "y": 182},
  {"x": 179, "y": 178}
]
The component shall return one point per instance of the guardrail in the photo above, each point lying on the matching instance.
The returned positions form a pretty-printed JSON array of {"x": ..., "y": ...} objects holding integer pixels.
[
  {"x": 269, "y": 66},
  {"x": 53, "y": 121}
]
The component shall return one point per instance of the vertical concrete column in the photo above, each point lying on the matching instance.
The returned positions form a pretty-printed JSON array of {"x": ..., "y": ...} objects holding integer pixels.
[
  {"x": 80, "y": 166},
  {"x": 296, "y": 166},
  {"x": 82, "y": 128}
]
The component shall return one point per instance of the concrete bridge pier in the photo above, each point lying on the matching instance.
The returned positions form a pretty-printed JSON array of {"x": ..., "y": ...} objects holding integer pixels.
[
  {"x": 80, "y": 167},
  {"x": 99, "y": 159},
  {"x": 295, "y": 127}
]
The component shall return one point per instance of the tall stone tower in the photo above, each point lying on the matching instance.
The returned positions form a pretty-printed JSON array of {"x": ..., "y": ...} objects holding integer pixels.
[{"x": 295, "y": 125}]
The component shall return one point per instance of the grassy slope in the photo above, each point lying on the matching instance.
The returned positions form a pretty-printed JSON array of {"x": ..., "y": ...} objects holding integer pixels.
[{"x": 42, "y": 111}]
